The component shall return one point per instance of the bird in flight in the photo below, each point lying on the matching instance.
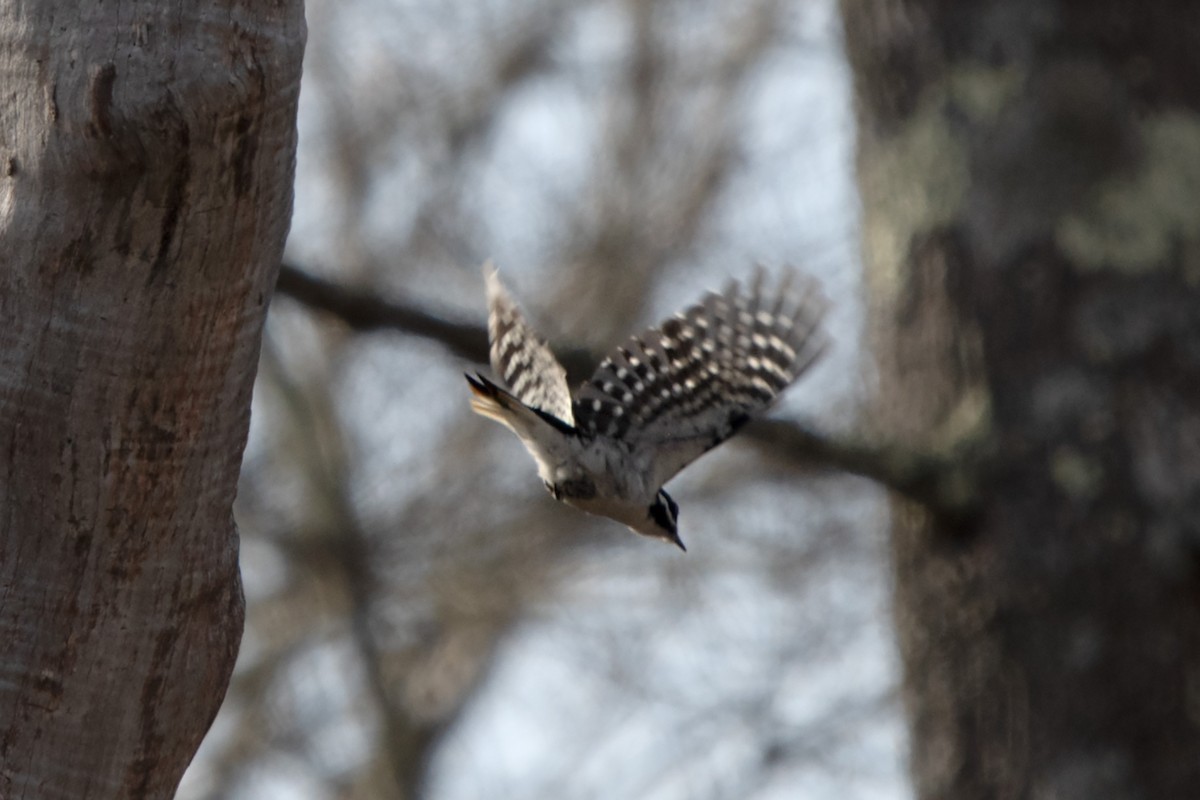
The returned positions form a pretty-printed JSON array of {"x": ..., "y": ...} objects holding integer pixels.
[{"x": 656, "y": 403}]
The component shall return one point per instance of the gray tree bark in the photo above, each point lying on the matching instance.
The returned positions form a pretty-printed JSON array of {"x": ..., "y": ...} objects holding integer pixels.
[
  {"x": 1031, "y": 175},
  {"x": 146, "y": 159}
]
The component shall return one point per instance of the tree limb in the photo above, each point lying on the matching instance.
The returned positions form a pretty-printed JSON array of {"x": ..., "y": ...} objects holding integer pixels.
[{"x": 364, "y": 312}]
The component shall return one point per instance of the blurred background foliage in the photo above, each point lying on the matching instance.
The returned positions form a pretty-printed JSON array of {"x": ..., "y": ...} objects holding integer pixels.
[{"x": 423, "y": 620}]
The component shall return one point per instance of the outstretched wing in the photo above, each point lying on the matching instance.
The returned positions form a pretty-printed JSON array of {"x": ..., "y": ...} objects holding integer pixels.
[
  {"x": 521, "y": 358},
  {"x": 684, "y": 387}
]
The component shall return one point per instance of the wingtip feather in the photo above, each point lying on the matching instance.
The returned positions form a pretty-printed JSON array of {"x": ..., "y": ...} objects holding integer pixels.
[{"x": 491, "y": 277}]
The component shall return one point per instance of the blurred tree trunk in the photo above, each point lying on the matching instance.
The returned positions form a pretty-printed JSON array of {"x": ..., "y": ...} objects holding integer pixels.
[
  {"x": 1031, "y": 179},
  {"x": 146, "y": 157}
]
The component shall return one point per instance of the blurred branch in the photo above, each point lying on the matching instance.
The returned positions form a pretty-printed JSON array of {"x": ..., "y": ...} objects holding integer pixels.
[
  {"x": 517, "y": 57},
  {"x": 344, "y": 545},
  {"x": 672, "y": 141},
  {"x": 948, "y": 485},
  {"x": 363, "y": 311}
]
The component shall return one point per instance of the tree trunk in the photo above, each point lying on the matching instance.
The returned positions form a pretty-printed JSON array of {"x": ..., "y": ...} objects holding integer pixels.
[
  {"x": 1031, "y": 179},
  {"x": 146, "y": 159}
]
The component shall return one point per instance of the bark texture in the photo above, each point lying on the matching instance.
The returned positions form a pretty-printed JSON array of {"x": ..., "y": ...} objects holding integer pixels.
[
  {"x": 146, "y": 160},
  {"x": 1031, "y": 174}
]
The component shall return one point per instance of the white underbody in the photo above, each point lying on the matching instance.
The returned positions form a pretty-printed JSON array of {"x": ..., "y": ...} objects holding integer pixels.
[
  {"x": 617, "y": 471},
  {"x": 621, "y": 491}
]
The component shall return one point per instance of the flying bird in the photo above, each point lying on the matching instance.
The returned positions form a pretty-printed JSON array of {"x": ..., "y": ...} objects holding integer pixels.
[{"x": 656, "y": 403}]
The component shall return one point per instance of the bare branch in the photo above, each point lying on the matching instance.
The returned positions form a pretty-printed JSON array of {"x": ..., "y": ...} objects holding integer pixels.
[
  {"x": 363, "y": 311},
  {"x": 946, "y": 485}
]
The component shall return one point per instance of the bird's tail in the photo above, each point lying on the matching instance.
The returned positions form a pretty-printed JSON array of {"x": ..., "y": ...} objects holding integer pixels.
[{"x": 489, "y": 400}]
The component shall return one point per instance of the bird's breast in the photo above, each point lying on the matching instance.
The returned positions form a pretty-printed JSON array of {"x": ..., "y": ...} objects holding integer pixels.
[{"x": 611, "y": 470}]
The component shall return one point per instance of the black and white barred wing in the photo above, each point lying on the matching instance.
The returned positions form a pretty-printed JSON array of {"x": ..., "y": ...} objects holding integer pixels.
[
  {"x": 521, "y": 358},
  {"x": 684, "y": 387}
]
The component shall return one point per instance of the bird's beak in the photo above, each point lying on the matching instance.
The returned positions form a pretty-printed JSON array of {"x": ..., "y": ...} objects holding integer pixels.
[{"x": 678, "y": 542}]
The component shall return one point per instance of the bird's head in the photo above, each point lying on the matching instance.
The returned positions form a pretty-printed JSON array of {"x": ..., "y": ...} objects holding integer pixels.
[{"x": 661, "y": 520}]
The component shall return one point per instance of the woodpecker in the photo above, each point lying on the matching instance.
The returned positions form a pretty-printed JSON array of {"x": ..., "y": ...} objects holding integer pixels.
[{"x": 654, "y": 404}]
